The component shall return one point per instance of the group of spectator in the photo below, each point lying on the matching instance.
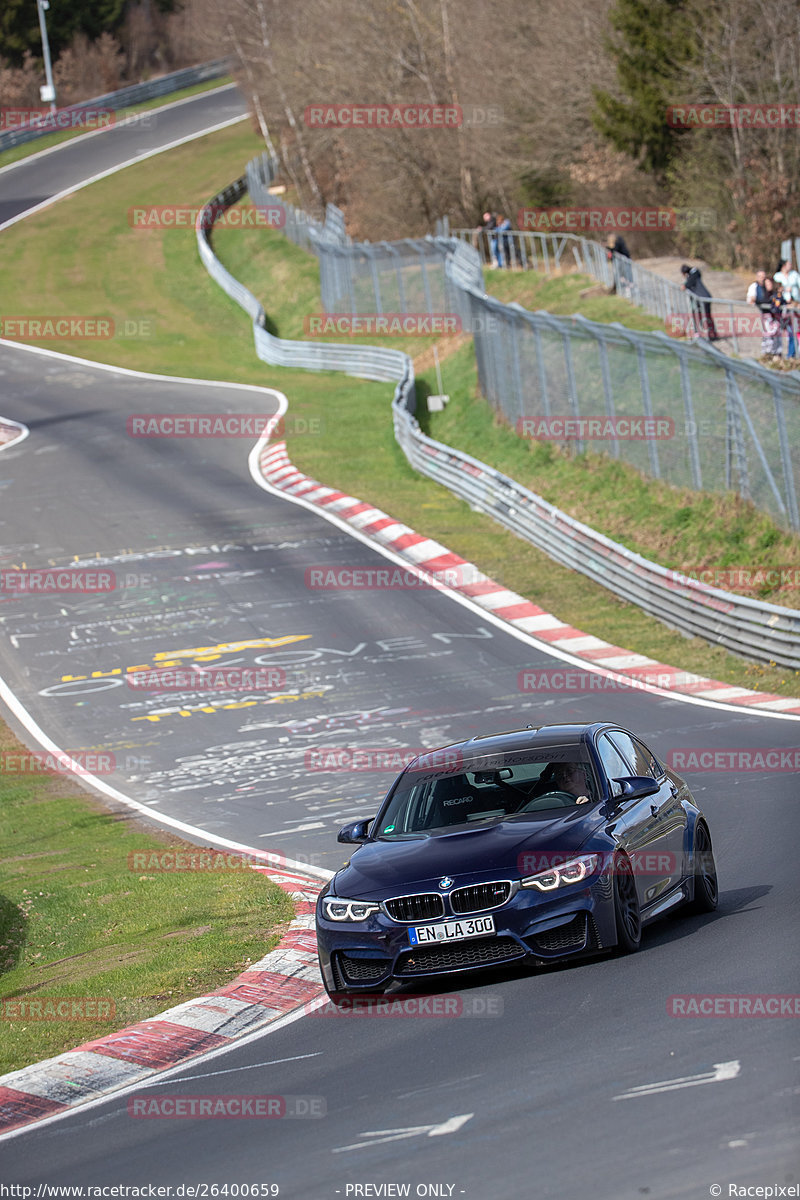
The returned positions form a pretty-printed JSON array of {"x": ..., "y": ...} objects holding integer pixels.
[
  {"x": 496, "y": 227},
  {"x": 776, "y": 297},
  {"x": 778, "y": 300}
]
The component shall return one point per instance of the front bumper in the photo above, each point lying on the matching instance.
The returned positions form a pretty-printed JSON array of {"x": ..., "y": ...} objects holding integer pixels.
[{"x": 531, "y": 926}]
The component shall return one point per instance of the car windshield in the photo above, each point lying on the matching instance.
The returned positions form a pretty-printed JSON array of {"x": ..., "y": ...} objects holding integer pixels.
[{"x": 489, "y": 789}]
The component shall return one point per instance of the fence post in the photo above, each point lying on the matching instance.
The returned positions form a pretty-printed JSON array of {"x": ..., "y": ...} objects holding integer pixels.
[
  {"x": 542, "y": 369},
  {"x": 786, "y": 457},
  {"x": 735, "y": 451}
]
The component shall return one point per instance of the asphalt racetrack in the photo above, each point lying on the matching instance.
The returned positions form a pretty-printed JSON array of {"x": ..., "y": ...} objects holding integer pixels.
[{"x": 570, "y": 1082}]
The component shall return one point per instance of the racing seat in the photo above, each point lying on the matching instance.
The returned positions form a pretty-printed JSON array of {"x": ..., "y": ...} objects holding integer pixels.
[{"x": 453, "y": 801}]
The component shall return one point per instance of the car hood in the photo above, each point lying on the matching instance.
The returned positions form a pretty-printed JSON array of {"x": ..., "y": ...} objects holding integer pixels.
[{"x": 380, "y": 869}]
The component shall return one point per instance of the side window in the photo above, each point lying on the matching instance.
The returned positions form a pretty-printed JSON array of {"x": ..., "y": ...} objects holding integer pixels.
[
  {"x": 655, "y": 767},
  {"x": 614, "y": 764},
  {"x": 641, "y": 760}
]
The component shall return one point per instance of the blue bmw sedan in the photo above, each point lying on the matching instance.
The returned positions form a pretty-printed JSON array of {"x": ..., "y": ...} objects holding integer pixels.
[{"x": 523, "y": 847}]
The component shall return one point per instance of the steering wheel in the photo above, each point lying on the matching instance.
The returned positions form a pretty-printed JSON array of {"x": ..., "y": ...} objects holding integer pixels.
[{"x": 555, "y": 799}]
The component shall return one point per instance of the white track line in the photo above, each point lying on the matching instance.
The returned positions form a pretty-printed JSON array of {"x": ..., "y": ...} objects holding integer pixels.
[{"x": 305, "y": 1009}]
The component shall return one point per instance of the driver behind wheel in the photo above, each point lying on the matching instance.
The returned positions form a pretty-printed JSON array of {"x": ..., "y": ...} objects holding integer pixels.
[{"x": 571, "y": 777}]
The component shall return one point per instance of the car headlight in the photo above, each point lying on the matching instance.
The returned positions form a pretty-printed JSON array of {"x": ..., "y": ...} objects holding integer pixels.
[
  {"x": 336, "y": 908},
  {"x": 572, "y": 871}
]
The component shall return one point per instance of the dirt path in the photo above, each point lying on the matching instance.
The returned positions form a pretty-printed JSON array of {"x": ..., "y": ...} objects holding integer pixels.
[{"x": 726, "y": 285}]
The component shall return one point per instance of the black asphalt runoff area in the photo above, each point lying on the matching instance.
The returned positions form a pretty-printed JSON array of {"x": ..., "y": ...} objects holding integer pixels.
[{"x": 209, "y": 565}]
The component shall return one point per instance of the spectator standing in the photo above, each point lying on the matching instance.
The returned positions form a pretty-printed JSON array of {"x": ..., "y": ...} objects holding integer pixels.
[
  {"x": 757, "y": 295},
  {"x": 615, "y": 244},
  {"x": 789, "y": 281},
  {"x": 755, "y": 292},
  {"x": 504, "y": 256},
  {"x": 490, "y": 228},
  {"x": 701, "y": 301},
  {"x": 771, "y": 313}
]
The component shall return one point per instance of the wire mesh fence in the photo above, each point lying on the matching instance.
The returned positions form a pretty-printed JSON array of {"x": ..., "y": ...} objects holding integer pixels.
[{"x": 678, "y": 411}]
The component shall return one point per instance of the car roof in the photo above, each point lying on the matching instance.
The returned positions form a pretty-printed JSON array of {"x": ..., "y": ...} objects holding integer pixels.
[{"x": 523, "y": 739}]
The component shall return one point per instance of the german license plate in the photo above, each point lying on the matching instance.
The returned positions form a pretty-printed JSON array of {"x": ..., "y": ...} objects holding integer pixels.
[{"x": 451, "y": 931}]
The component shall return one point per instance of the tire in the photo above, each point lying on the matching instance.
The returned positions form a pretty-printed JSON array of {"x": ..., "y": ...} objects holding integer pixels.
[
  {"x": 706, "y": 891},
  {"x": 627, "y": 915}
]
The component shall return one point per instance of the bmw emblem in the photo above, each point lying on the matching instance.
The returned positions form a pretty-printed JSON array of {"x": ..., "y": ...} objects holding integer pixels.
[{"x": 446, "y": 883}]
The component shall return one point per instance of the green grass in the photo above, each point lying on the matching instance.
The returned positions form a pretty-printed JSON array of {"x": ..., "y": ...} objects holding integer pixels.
[
  {"x": 47, "y": 140},
  {"x": 561, "y": 295},
  {"x": 78, "y": 919},
  {"x": 197, "y": 330}
]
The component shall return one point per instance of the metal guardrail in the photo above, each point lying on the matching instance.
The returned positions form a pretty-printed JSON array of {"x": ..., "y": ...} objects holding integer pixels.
[
  {"x": 750, "y": 628},
  {"x": 136, "y": 93}
]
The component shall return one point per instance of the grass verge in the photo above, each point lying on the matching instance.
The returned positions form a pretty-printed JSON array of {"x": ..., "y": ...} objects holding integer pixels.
[
  {"x": 81, "y": 920},
  {"x": 48, "y": 140},
  {"x": 98, "y": 265}
]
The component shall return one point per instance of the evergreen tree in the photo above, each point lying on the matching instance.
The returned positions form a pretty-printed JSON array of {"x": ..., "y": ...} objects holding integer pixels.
[
  {"x": 19, "y": 24},
  {"x": 655, "y": 39}
]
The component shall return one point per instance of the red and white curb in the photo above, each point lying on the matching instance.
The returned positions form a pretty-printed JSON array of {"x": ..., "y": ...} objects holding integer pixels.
[
  {"x": 429, "y": 556},
  {"x": 11, "y": 432},
  {"x": 285, "y": 979}
]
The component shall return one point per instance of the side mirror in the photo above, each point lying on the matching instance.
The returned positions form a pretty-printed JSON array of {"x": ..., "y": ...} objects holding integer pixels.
[
  {"x": 636, "y": 787},
  {"x": 355, "y": 833}
]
